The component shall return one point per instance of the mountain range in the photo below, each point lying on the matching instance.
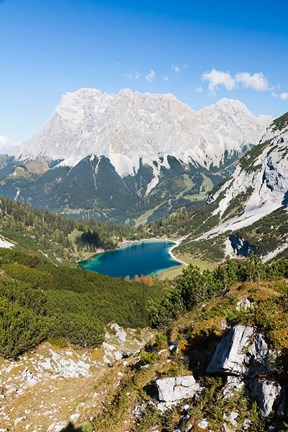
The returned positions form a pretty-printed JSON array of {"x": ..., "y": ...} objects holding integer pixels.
[
  {"x": 248, "y": 211},
  {"x": 218, "y": 357},
  {"x": 128, "y": 157}
]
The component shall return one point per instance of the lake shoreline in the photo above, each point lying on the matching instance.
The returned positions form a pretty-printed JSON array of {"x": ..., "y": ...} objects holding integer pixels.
[
  {"x": 155, "y": 239},
  {"x": 127, "y": 243},
  {"x": 184, "y": 264}
]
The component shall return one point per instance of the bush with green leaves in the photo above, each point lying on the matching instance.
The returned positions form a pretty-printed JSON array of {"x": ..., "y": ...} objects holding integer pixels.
[
  {"x": 194, "y": 287},
  {"x": 48, "y": 301},
  {"x": 78, "y": 329},
  {"x": 20, "y": 329}
]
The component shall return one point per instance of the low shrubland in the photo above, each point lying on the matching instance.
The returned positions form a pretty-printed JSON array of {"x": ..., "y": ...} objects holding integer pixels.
[{"x": 39, "y": 300}]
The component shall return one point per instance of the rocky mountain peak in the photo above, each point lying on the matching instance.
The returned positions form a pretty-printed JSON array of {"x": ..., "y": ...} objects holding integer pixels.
[{"x": 130, "y": 125}]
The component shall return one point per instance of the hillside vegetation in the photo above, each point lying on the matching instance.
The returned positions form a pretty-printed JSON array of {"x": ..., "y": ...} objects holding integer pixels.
[
  {"x": 193, "y": 318},
  {"x": 39, "y": 300},
  {"x": 56, "y": 235}
]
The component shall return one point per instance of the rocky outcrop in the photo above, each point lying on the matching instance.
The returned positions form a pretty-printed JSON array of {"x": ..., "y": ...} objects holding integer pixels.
[
  {"x": 229, "y": 357},
  {"x": 241, "y": 352},
  {"x": 243, "y": 356},
  {"x": 256, "y": 190},
  {"x": 266, "y": 393},
  {"x": 45, "y": 389},
  {"x": 174, "y": 389}
]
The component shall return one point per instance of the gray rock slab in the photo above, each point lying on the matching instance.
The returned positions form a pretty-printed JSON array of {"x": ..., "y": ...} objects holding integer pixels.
[
  {"x": 173, "y": 389},
  {"x": 230, "y": 352},
  {"x": 266, "y": 393}
]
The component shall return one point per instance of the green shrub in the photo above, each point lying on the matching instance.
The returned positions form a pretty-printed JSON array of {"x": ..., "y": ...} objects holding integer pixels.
[
  {"x": 78, "y": 329},
  {"x": 20, "y": 329},
  {"x": 194, "y": 287},
  {"x": 147, "y": 357}
]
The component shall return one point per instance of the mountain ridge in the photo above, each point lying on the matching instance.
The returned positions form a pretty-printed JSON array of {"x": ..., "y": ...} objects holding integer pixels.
[
  {"x": 246, "y": 212},
  {"x": 128, "y": 157},
  {"x": 129, "y": 125}
]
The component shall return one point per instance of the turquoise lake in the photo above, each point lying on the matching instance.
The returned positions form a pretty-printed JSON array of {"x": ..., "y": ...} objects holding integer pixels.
[{"x": 141, "y": 258}]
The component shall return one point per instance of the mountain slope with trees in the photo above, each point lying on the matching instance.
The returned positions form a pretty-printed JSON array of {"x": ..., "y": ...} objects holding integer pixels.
[
  {"x": 56, "y": 235},
  {"x": 95, "y": 156},
  {"x": 247, "y": 212},
  {"x": 39, "y": 300}
]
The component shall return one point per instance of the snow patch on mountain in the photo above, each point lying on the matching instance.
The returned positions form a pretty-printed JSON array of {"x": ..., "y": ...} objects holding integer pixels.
[
  {"x": 155, "y": 179},
  {"x": 267, "y": 182},
  {"x": 6, "y": 144},
  {"x": 129, "y": 125},
  {"x": 274, "y": 253},
  {"x": 123, "y": 164}
]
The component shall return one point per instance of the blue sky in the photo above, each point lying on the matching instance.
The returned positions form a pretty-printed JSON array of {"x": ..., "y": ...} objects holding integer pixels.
[{"x": 201, "y": 51}]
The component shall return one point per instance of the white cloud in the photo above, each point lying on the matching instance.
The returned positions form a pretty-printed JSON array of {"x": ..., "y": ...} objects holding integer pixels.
[
  {"x": 166, "y": 78},
  {"x": 284, "y": 96},
  {"x": 199, "y": 89},
  {"x": 151, "y": 76},
  {"x": 176, "y": 68},
  {"x": 257, "y": 81},
  {"x": 218, "y": 78},
  {"x": 133, "y": 76}
]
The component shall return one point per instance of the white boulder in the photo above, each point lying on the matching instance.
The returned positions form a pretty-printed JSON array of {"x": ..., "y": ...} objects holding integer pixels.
[
  {"x": 173, "y": 389},
  {"x": 243, "y": 304},
  {"x": 233, "y": 384},
  {"x": 230, "y": 352},
  {"x": 241, "y": 353},
  {"x": 266, "y": 393},
  {"x": 231, "y": 418},
  {"x": 203, "y": 424},
  {"x": 119, "y": 331}
]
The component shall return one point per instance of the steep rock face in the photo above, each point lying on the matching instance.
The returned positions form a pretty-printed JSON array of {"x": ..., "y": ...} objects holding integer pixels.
[
  {"x": 266, "y": 393},
  {"x": 129, "y": 157},
  {"x": 129, "y": 125},
  {"x": 259, "y": 183},
  {"x": 252, "y": 203},
  {"x": 229, "y": 356},
  {"x": 241, "y": 352},
  {"x": 243, "y": 356}
]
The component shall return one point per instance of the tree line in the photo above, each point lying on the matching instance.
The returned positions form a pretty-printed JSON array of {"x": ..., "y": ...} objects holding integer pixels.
[
  {"x": 193, "y": 286},
  {"x": 58, "y": 233}
]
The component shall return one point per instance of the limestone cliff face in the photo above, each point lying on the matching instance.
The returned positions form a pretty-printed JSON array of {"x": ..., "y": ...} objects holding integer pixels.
[
  {"x": 255, "y": 195},
  {"x": 129, "y": 125},
  {"x": 100, "y": 154},
  {"x": 262, "y": 178}
]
